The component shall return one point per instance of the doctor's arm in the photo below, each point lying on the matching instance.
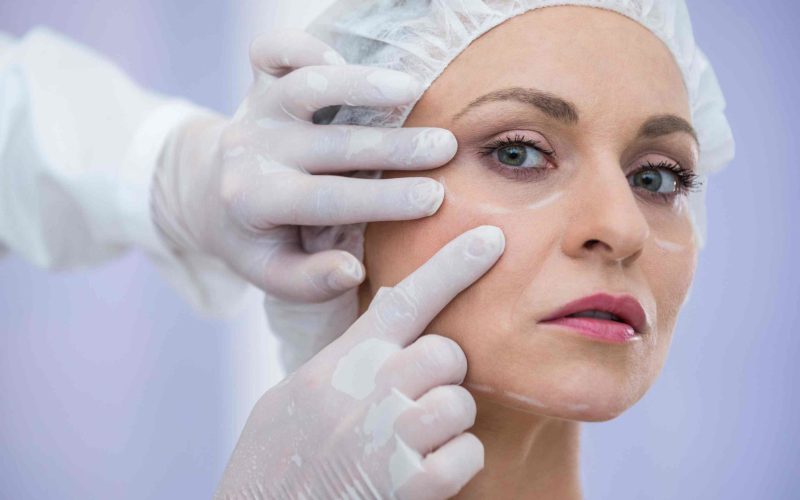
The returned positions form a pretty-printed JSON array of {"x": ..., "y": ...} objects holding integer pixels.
[
  {"x": 79, "y": 142},
  {"x": 91, "y": 165}
]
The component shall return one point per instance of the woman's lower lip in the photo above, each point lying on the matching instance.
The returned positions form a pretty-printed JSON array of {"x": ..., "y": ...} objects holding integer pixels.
[{"x": 598, "y": 329}]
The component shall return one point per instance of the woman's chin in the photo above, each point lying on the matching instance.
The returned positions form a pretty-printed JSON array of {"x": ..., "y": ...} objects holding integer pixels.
[{"x": 596, "y": 399}]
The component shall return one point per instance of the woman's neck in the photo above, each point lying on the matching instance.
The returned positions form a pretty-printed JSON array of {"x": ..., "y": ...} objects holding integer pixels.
[{"x": 526, "y": 455}]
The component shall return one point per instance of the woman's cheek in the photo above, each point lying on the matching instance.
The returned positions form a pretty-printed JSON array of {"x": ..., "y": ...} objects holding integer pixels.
[
  {"x": 393, "y": 250},
  {"x": 487, "y": 318}
]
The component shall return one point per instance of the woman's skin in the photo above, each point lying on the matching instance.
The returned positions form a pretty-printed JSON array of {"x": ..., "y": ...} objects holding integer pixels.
[{"x": 573, "y": 228}]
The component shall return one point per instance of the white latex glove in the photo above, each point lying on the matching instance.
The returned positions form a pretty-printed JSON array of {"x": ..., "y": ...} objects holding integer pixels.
[
  {"x": 378, "y": 413},
  {"x": 238, "y": 189}
]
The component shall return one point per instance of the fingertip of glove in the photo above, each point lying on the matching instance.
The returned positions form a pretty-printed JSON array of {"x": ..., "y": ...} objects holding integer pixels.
[
  {"x": 486, "y": 242},
  {"x": 333, "y": 58},
  {"x": 346, "y": 275}
]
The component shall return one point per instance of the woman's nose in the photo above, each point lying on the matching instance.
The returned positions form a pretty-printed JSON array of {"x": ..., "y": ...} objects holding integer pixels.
[{"x": 607, "y": 221}]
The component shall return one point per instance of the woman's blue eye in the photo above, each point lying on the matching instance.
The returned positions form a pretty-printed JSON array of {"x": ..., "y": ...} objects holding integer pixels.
[
  {"x": 656, "y": 180},
  {"x": 521, "y": 156}
]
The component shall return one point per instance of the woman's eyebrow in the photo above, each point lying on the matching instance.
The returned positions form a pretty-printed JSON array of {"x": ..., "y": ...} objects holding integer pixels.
[
  {"x": 561, "y": 109},
  {"x": 550, "y": 104},
  {"x": 659, "y": 125}
]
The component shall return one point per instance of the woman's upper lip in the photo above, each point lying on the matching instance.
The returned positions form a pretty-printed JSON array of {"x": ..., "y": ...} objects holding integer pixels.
[{"x": 624, "y": 306}]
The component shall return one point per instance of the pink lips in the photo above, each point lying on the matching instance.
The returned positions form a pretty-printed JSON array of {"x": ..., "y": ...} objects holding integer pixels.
[{"x": 625, "y": 307}]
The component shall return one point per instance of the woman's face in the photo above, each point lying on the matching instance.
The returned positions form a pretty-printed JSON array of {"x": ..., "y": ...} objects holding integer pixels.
[{"x": 572, "y": 123}]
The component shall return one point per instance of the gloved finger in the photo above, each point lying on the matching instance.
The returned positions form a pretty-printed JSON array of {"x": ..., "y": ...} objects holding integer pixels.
[
  {"x": 440, "y": 415},
  {"x": 402, "y": 312},
  {"x": 431, "y": 361},
  {"x": 446, "y": 470},
  {"x": 303, "y": 91},
  {"x": 292, "y": 198},
  {"x": 342, "y": 148},
  {"x": 291, "y": 274},
  {"x": 349, "y": 238},
  {"x": 281, "y": 52},
  {"x": 282, "y": 268}
]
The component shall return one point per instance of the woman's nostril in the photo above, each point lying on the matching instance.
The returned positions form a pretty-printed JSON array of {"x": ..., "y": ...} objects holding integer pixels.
[{"x": 591, "y": 244}]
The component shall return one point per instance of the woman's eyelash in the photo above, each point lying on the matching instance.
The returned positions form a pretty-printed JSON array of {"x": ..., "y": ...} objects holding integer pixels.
[
  {"x": 687, "y": 179},
  {"x": 517, "y": 140}
]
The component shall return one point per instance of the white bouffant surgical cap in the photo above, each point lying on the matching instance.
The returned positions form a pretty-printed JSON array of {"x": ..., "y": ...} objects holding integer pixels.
[{"x": 421, "y": 37}]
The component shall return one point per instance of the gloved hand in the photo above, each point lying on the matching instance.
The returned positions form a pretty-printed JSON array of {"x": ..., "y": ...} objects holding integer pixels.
[
  {"x": 378, "y": 413},
  {"x": 238, "y": 189}
]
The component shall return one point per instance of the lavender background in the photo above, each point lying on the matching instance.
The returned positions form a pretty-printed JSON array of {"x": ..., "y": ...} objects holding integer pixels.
[{"x": 111, "y": 387}]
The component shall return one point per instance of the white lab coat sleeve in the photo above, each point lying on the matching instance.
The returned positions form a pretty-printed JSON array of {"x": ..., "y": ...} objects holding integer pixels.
[{"x": 79, "y": 142}]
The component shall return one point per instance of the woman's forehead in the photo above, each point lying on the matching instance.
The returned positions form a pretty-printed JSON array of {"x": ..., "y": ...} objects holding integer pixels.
[{"x": 599, "y": 60}]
